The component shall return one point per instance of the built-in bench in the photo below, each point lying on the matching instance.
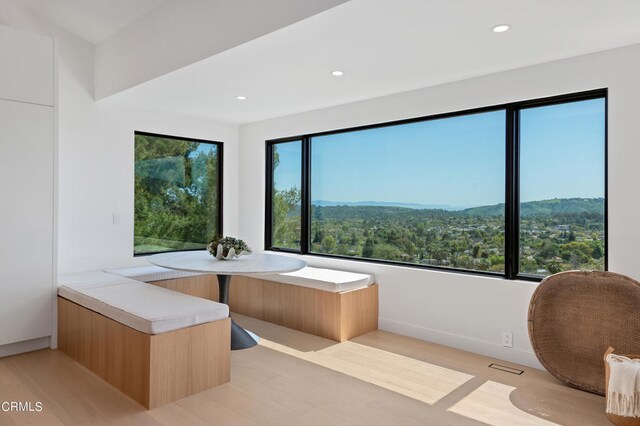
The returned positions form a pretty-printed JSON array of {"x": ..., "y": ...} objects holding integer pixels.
[
  {"x": 337, "y": 305},
  {"x": 192, "y": 283},
  {"x": 153, "y": 344}
]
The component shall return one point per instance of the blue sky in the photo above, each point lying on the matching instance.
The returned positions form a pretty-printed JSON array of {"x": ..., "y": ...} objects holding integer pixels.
[
  {"x": 562, "y": 151},
  {"x": 457, "y": 161}
]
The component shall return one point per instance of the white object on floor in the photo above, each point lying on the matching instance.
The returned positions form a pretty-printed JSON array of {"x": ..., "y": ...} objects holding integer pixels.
[
  {"x": 623, "y": 394},
  {"x": 322, "y": 279}
]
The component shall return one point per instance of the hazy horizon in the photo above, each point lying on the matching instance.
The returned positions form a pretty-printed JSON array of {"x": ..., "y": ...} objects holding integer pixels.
[
  {"x": 457, "y": 162},
  {"x": 418, "y": 206}
]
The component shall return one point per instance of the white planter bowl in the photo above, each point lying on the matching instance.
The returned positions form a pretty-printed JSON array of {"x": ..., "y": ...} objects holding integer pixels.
[{"x": 231, "y": 255}]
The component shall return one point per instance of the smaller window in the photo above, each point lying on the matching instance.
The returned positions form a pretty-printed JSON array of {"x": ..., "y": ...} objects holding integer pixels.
[
  {"x": 286, "y": 183},
  {"x": 178, "y": 193},
  {"x": 562, "y": 187}
]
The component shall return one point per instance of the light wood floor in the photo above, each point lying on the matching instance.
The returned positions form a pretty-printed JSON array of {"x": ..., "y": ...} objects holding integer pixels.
[{"x": 293, "y": 378}]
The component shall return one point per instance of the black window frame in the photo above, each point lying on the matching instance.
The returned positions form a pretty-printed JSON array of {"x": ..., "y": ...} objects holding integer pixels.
[
  {"x": 512, "y": 182},
  {"x": 220, "y": 154}
]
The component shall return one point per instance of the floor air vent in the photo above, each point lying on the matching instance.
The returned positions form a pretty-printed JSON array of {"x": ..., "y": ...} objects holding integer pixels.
[{"x": 507, "y": 369}]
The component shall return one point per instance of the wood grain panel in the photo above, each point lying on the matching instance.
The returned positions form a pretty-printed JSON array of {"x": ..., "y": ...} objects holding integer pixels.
[
  {"x": 359, "y": 312},
  {"x": 335, "y": 316},
  {"x": 251, "y": 296},
  {"x": 151, "y": 369},
  {"x": 204, "y": 286},
  {"x": 115, "y": 352},
  {"x": 199, "y": 358}
]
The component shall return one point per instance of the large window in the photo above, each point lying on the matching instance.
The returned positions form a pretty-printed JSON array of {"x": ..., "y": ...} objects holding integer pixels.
[
  {"x": 178, "y": 193},
  {"x": 402, "y": 192},
  {"x": 516, "y": 190}
]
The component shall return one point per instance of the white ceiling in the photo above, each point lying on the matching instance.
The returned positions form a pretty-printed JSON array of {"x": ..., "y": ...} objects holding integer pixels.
[
  {"x": 91, "y": 20},
  {"x": 384, "y": 47}
]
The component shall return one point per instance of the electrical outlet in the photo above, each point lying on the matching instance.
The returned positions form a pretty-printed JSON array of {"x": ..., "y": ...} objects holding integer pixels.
[{"x": 507, "y": 339}]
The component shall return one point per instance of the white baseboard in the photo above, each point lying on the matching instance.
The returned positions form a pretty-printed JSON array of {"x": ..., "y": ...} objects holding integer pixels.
[
  {"x": 469, "y": 344},
  {"x": 26, "y": 346}
]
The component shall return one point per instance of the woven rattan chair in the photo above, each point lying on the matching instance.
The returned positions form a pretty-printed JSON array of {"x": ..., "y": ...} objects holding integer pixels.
[{"x": 575, "y": 316}]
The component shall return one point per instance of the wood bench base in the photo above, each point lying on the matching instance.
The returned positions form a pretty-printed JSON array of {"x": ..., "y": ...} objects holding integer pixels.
[
  {"x": 335, "y": 316},
  {"x": 151, "y": 369}
]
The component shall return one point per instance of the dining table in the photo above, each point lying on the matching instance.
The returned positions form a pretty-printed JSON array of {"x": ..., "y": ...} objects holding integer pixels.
[{"x": 250, "y": 264}]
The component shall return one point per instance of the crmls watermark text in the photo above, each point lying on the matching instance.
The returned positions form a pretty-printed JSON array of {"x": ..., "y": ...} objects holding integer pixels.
[{"x": 18, "y": 406}]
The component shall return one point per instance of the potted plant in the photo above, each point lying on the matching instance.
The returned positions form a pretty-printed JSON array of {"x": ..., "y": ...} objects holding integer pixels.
[{"x": 227, "y": 248}]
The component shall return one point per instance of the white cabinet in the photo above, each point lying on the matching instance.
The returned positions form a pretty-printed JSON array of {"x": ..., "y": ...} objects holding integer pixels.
[
  {"x": 26, "y": 185},
  {"x": 26, "y": 221},
  {"x": 26, "y": 67}
]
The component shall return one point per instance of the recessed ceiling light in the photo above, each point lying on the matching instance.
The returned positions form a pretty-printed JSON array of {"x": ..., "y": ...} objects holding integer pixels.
[
  {"x": 241, "y": 98},
  {"x": 337, "y": 73},
  {"x": 501, "y": 28}
]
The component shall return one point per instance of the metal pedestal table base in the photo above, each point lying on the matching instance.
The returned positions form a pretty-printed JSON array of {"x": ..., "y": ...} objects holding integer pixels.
[{"x": 240, "y": 338}]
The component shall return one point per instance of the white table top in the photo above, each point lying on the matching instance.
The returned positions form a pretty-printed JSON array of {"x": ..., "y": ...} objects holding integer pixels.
[{"x": 202, "y": 261}]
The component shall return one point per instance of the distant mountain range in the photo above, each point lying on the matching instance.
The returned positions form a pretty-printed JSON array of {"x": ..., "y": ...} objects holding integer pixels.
[
  {"x": 324, "y": 203},
  {"x": 544, "y": 207},
  {"x": 530, "y": 208}
]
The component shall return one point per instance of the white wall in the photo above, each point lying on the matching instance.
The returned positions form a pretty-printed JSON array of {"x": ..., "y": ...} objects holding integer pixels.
[
  {"x": 466, "y": 311},
  {"x": 97, "y": 173},
  {"x": 96, "y": 156}
]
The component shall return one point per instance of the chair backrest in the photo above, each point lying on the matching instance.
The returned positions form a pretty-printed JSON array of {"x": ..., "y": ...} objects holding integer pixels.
[{"x": 575, "y": 316}]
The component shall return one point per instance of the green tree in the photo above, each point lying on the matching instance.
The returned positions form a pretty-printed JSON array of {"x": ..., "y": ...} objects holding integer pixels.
[
  {"x": 176, "y": 193},
  {"x": 528, "y": 265},
  {"x": 597, "y": 249},
  {"x": 285, "y": 218},
  {"x": 328, "y": 244},
  {"x": 285, "y": 213},
  {"x": 554, "y": 266},
  {"x": 367, "y": 250},
  {"x": 354, "y": 238},
  {"x": 386, "y": 251}
]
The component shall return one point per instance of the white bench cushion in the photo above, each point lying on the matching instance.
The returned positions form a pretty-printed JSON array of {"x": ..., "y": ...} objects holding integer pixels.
[
  {"x": 90, "y": 279},
  {"x": 321, "y": 279},
  {"x": 144, "y": 307},
  {"x": 151, "y": 273}
]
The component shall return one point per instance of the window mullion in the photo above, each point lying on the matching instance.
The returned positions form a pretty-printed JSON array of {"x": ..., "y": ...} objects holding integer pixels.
[
  {"x": 512, "y": 201},
  {"x": 268, "y": 222},
  {"x": 305, "y": 202}
]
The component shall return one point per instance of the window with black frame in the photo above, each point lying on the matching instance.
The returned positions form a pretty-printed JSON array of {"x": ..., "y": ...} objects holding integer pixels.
[
  {"x": 285, "y": 187},
  {"x": 562, "y": 187},
  {"x": 517, "y": 190},
  {"x": 178, "y": 193},
  {"x": 405, "y": 193}
]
